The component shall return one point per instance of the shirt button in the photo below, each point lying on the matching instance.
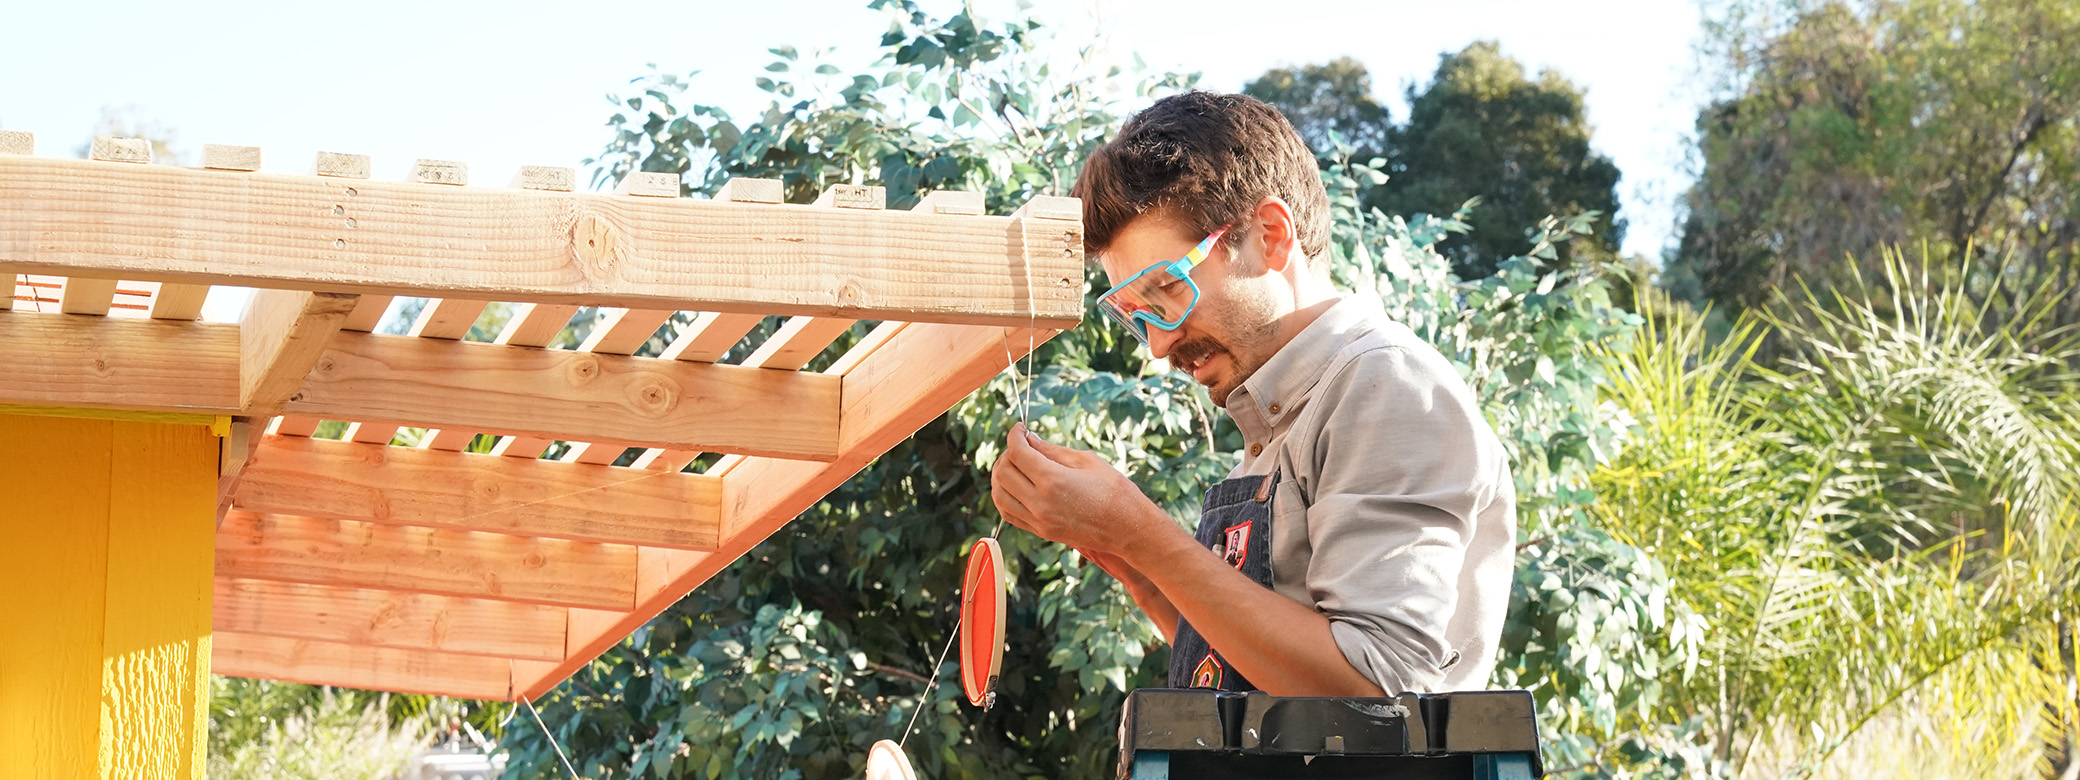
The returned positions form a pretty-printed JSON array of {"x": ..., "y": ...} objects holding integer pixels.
[
  {"x": 1274, "y": 408},
  {"x": 1256, "y": 449}
]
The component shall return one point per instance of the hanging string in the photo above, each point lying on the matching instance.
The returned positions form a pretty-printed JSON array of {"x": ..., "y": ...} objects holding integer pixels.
[
  {"x": 1023, "y": 392},
  {"x": 552, "y": 739}
]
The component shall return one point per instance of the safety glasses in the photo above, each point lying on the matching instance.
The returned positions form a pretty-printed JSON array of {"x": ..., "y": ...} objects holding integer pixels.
[{"x": 1161, "y": 295}]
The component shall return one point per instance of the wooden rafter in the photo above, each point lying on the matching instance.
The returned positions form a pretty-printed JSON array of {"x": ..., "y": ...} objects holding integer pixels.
[
  {"x": 388, "y": 618},
  {"x": 638, "y": 402},
  {"x": 522, "y": 496},
  {"x": 347, "y": 553},
  {"x": 402, "y": 238}
]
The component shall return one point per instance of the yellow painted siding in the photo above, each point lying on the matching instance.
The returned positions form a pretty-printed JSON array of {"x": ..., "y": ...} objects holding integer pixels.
[{"x": 105, "y": 597}]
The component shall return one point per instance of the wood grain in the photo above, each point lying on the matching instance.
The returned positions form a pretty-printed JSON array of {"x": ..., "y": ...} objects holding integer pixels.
[
  {"x": 280, "y": 337},
  {"x": 635, "y": 402},
  {"x": 347, "y": 553},
  {"x": 384, "y": 618},
  {"x": 110, "y": 363},
  {"x": 523, "y": 496},
  {"x": 374, "y": 668},
  {"x": 73, "y": 217}
]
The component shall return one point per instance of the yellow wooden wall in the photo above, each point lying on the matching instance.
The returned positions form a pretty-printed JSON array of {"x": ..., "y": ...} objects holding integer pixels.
[{"x": 107, "y": 535}]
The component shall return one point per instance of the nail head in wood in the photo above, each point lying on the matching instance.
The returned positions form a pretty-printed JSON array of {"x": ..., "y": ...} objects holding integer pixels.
[
  {"x": 225, "y": 157},
  {"x": 1050, "y": 207},
  {"x": 440, "y": 172},
  {"x": 17, "y": 142},
  {"x": 345, "y": 166},
  {"x": 951, "y": 202},
  {"x": 650, "y": 184},
  {"x": 742, "y": 190},
  {"x": 129, "y": 150},
  {"x": 546, "y": 177},
  {"x": 853, "y": 196}
]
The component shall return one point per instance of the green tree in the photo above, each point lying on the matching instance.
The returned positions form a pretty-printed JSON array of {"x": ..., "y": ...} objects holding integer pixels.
[
  {"x": 1846, "y": 126},
  {"x": 1327, "y": 101},
  {"x": 1482, "y": 129}
]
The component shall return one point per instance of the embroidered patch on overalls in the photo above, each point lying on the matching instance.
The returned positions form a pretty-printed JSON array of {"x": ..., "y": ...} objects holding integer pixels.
[
  {"x": 1236, "y": 546},
  {"x": 1208, "y": 675}
]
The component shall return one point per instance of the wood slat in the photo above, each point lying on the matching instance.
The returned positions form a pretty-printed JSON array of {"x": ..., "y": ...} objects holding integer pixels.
[
  {"x": 634, "y": 402},
  {"x": 798, "y": 341},
  {"x": 527, "y": 497},
  {"x": 624, "y": 330},
  {"x": 383, "y": 618},
  {"x": 368, "y": 313},
  {"x": 710, "y": 337},
  {"x": 447, "y": 318},
  {"x": 536, "y": 324},
  {"x": 347, "y": 553},
  {"x": 520, "y": 447},
  {"x": 87, "y": 296},
  {"x": 919, "y": 373},
  {"x": 80, "y": 218},
  {"x": 448, "y": 440},
  {"x": 371, "y": 433},
  {"x": 179, "y": 301},
  {"x": 112, "y": 363},
  {"x": 374, "y": 668}
]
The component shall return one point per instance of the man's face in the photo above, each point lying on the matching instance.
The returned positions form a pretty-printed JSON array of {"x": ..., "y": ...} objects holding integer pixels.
[{"x": 1229, "y": 335}]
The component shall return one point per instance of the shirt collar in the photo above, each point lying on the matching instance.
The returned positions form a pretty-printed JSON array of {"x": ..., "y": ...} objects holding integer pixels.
[{"x": 1272, "y": 394}]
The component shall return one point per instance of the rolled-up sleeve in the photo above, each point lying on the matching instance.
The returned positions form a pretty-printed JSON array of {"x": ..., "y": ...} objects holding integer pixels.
[{"x": 1391, "y": 512}]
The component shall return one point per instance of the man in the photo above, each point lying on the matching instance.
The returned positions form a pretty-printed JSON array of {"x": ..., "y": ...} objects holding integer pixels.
[{"x": 1363, "y": 545}]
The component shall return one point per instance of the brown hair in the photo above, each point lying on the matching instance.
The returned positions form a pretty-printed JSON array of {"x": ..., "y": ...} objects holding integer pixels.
[{"x": 1208, "y": 158}]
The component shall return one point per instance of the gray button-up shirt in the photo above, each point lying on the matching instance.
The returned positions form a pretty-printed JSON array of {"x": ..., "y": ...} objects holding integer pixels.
[{"x": 1395, "y": 514}]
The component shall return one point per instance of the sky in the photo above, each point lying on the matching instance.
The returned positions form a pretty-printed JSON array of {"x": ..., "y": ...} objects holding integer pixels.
[{"x": 498, "y": 85}]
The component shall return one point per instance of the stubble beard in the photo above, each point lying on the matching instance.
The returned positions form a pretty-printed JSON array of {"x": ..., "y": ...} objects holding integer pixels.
[{"x": 1252, "y": 329}]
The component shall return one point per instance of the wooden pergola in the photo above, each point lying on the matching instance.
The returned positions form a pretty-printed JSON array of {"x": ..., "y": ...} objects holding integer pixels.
[{"x": 360, "y": 562}]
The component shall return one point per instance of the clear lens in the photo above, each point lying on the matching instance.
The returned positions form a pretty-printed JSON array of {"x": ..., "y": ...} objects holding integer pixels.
[{"x": 1155, "y": 296}]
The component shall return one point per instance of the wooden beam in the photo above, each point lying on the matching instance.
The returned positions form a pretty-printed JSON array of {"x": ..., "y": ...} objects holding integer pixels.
[
  {"x": 372, "y": 668},
  {"x": 562, "y": 394},
  {"x": 383, "y": 618},
  {"x": 920, "y": 372},
  {"x": 346, "y": 553},
  {"x": 162, "y": 223},
  {"x": 529, "y": 497},
  {"x": 112, "y": 363},
  {"x": 280, "y": 338}
]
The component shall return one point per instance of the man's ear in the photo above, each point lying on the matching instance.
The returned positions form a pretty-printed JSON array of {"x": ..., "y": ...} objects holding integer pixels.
[{"x": 1276, "y": 233}]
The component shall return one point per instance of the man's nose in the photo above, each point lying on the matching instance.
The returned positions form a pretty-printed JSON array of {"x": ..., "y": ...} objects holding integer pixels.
[{"x": 1160, "y": 342}]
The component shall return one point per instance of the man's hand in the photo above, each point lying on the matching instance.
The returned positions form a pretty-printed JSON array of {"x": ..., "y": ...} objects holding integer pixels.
[{"x": 1073, "y": 497}]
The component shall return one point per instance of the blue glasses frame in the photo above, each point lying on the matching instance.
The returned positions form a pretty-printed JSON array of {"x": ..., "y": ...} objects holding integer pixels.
[{"x": 1137, "y": 319}]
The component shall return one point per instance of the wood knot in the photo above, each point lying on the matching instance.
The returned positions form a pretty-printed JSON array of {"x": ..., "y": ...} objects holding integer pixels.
[
  {"x": 582, "y": 369},
  {"x": 852, "y": 293},
  {"x": 654, "y": 395},
  {"x": 597, "y": 245}
]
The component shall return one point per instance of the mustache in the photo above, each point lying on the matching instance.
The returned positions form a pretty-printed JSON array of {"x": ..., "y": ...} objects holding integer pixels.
[{"x": 1194, "y": 352}]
